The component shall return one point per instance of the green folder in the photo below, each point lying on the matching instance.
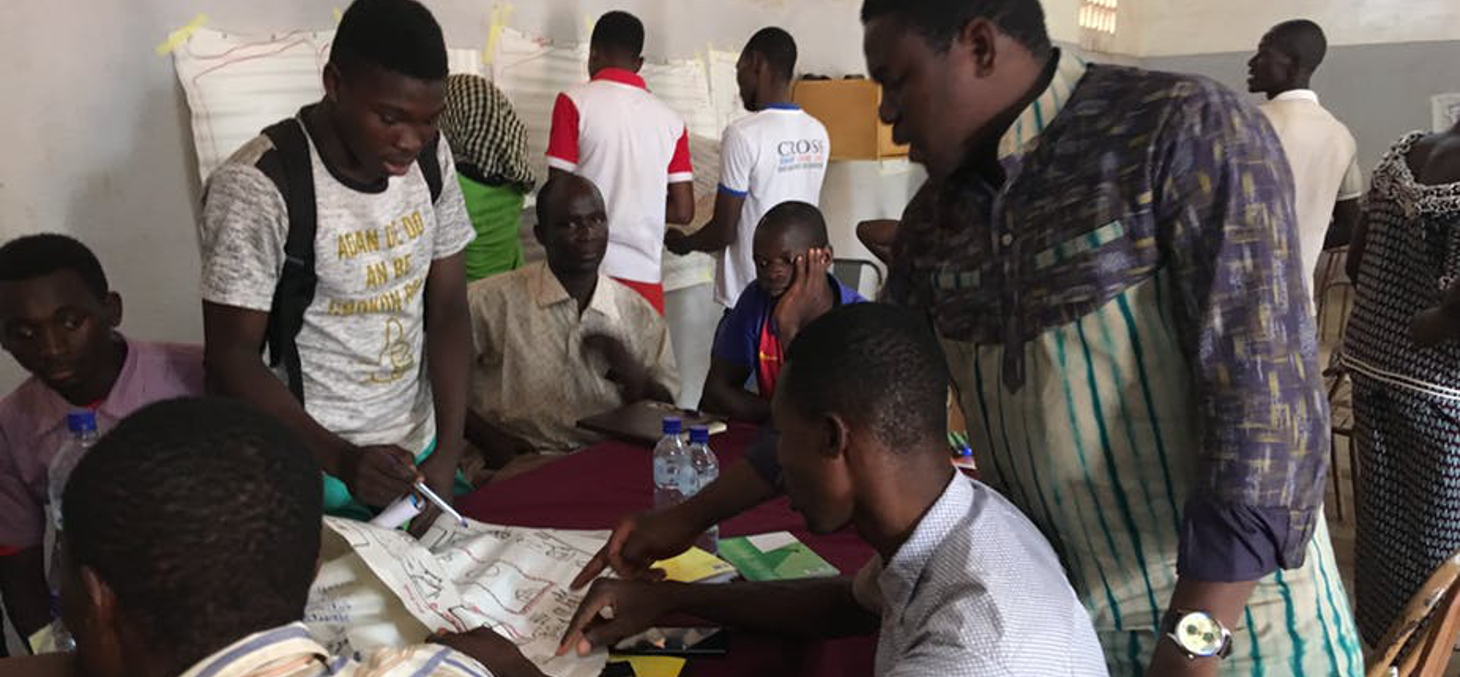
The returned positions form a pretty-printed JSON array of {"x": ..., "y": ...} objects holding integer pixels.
[{"x": 783, "y": 558}]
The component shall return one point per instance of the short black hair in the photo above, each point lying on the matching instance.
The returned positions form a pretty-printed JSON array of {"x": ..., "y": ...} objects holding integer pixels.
[
  {"x": 777, "y": 47},
  {"x": 1303, "y": 41},
  {"x": 620, "y": 33},
  {"x": 33, "y": 256},
  {"x": 396, "y": 35},
  {"x": 203, "y": 517},
  {"x": 940, "y": 20},
  {"x": 877, "y": 365},
  {"x": 798, "y": 216},
  {"x": 548, "y": 197}
]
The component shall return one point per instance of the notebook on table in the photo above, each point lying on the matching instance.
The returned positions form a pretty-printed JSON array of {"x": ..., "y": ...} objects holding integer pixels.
[
  {"x": 776, "y": 556},
  {"x": 643, "y": 422}
]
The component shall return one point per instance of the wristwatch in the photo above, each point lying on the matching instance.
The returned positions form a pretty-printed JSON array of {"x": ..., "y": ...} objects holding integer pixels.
[{"x": 1197, "y": 633}]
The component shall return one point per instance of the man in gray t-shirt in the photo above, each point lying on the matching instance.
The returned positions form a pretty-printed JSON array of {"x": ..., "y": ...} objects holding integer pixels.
[{"x": 380, "y": 393}]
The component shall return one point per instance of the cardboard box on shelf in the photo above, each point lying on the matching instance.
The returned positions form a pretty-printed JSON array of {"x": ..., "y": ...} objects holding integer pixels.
[{"x": 848, "y": 108}]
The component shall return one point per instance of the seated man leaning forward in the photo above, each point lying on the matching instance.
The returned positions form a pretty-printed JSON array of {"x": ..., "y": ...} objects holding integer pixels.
[
  {"x": 559, "y": 341},
  {"x": 192, "y": 537},
  {"x": 793, "y": 286},
  {"x": 962, "y": 582}
]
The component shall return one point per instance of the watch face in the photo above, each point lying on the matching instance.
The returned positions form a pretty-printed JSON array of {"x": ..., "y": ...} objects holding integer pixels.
[{"x": 1199, "y": 634}]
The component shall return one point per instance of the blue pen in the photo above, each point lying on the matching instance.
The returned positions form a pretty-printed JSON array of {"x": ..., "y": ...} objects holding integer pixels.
[{"x": 443, "y": 505}]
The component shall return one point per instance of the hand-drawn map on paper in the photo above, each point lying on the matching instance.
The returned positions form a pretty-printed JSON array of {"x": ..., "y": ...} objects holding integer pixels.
[{"x": 380, "y": 587}]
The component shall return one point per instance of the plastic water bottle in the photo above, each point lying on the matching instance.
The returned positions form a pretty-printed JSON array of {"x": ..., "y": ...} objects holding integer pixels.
[
  {"x": 706, "y": 470},
  {"x": 82, "y": 425},
  {"x": 672, "y": 472}
]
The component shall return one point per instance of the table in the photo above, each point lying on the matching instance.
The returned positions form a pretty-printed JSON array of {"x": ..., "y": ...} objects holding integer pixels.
[{"x": 593, "y": 488}]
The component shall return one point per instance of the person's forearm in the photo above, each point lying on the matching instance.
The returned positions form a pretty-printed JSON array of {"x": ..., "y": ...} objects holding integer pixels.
[
  {"x": 656, "y": 391},
  {"x": 240, "y": 374},
  {"x": 448, "y": 350},
  {"x": 498, "y": 447},
  {"x": 24, "y": 591},
  {"x": 788, "y": 331},
  {"x": 804, "y": 608},
  {"x": 1223, "y": 601},
  {"x": 1356, "y": 250},
  {"x": 1345, "y": 220},
  {"x": 711, "y": 238},
  {"x": 735, "y": 402},
  {"x": 737, "y": 490}
]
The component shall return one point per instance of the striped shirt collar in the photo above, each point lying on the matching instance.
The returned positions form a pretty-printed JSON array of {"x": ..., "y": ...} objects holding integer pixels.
[
  {"x": 290, "y": 651},
  {"x": 1042, "y": 111},
  {"x": 276, "y": 648}
]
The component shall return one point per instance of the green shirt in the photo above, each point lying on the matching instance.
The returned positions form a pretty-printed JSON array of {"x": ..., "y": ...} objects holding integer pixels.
[{"x": 496, "y": 213}]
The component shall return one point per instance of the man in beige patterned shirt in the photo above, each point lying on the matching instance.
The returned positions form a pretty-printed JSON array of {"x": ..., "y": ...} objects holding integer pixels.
[{"x": 558, "y": 341}]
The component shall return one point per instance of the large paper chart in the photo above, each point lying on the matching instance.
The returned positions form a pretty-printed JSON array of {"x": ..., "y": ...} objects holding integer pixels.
[
  {"x": 380, "y": 587},
  {"x": 236, "y": 85}
]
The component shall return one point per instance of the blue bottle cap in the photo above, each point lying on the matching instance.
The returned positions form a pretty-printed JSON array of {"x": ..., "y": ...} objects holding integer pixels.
[
  {"x": 699, "y": 435},
  {"x": 81, "y": 421},
  {"x": 672, "y": 425}
]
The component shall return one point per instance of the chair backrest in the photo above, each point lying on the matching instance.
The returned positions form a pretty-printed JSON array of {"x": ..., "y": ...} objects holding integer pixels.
[
  {"x": 1422, "y": 640},
  {"x": 859, "y": 274},
  {"x": 1334, "y": 297}
]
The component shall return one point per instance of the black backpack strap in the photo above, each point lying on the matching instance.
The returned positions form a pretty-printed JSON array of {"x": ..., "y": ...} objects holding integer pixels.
[
  {"x": 430, "y": 166},
  {"x": 294, "y": 177}
]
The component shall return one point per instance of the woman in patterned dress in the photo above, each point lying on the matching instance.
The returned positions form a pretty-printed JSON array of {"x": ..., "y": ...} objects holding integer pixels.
[{"x": 1403, "y": 351}]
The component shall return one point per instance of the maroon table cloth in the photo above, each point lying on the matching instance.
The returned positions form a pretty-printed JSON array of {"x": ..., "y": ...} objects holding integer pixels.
[{"x": 593, "y": 488}]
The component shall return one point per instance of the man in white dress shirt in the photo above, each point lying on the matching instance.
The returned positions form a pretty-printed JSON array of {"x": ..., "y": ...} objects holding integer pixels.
[
  {"x": 1320, "y": 149},
  {"x": 962, "y": 582}
]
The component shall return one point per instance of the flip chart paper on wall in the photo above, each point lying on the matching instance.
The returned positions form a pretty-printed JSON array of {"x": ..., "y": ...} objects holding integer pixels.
[
  {"x": 696, "y": 268},
  {"x": 683, "y": 86},
  {"x": 380, "y": 587},
  {"x": 724, "y": 90},
  {"x": 531, "y": 72},
  {"x": 236, "y": 85}
]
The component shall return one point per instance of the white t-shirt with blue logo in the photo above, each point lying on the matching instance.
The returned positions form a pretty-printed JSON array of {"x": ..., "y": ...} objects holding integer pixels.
[{"x": 776, "y": 155}]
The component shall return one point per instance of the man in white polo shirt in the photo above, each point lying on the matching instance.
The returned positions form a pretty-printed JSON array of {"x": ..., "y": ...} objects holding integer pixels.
[
  {"x": 777, "y": 154},
  {"x": 1320, "y": 149},
  {"x": 632, "y": 146}
]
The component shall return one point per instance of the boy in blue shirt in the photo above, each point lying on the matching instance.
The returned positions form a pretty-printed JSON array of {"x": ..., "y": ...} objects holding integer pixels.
[{"x": 793, "y": 286}]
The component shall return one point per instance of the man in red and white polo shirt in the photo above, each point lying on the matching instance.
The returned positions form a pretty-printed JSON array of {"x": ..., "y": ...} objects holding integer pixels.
[{"x": 614, "y": 132}]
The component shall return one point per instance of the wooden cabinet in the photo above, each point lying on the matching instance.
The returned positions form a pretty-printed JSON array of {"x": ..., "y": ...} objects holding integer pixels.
[{"x": 848, "y": 108}]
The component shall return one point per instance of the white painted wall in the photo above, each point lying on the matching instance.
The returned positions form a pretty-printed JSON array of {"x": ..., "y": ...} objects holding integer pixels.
[
  {"x": 96, "y": 133},
  {"x": 96, "y": 136},
  {"x": 1177, "y": 27}
]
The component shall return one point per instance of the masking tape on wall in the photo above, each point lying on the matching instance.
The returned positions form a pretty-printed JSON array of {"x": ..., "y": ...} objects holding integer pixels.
[
  {"x": 500, "y": 14},
  {"x": 181, "y": 35}
]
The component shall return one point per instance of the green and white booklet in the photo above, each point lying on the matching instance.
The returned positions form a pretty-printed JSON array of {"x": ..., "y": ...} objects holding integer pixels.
[{"x": 776, "y": 556}]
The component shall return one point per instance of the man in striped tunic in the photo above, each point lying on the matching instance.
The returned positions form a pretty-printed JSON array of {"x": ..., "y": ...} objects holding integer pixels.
[{"x": 1111, "y": 259}]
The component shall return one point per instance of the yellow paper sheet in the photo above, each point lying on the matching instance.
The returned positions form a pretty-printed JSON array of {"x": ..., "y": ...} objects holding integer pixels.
[
  {"x": 693, "y": 566},
  {"x": 652, "y": 666}
]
